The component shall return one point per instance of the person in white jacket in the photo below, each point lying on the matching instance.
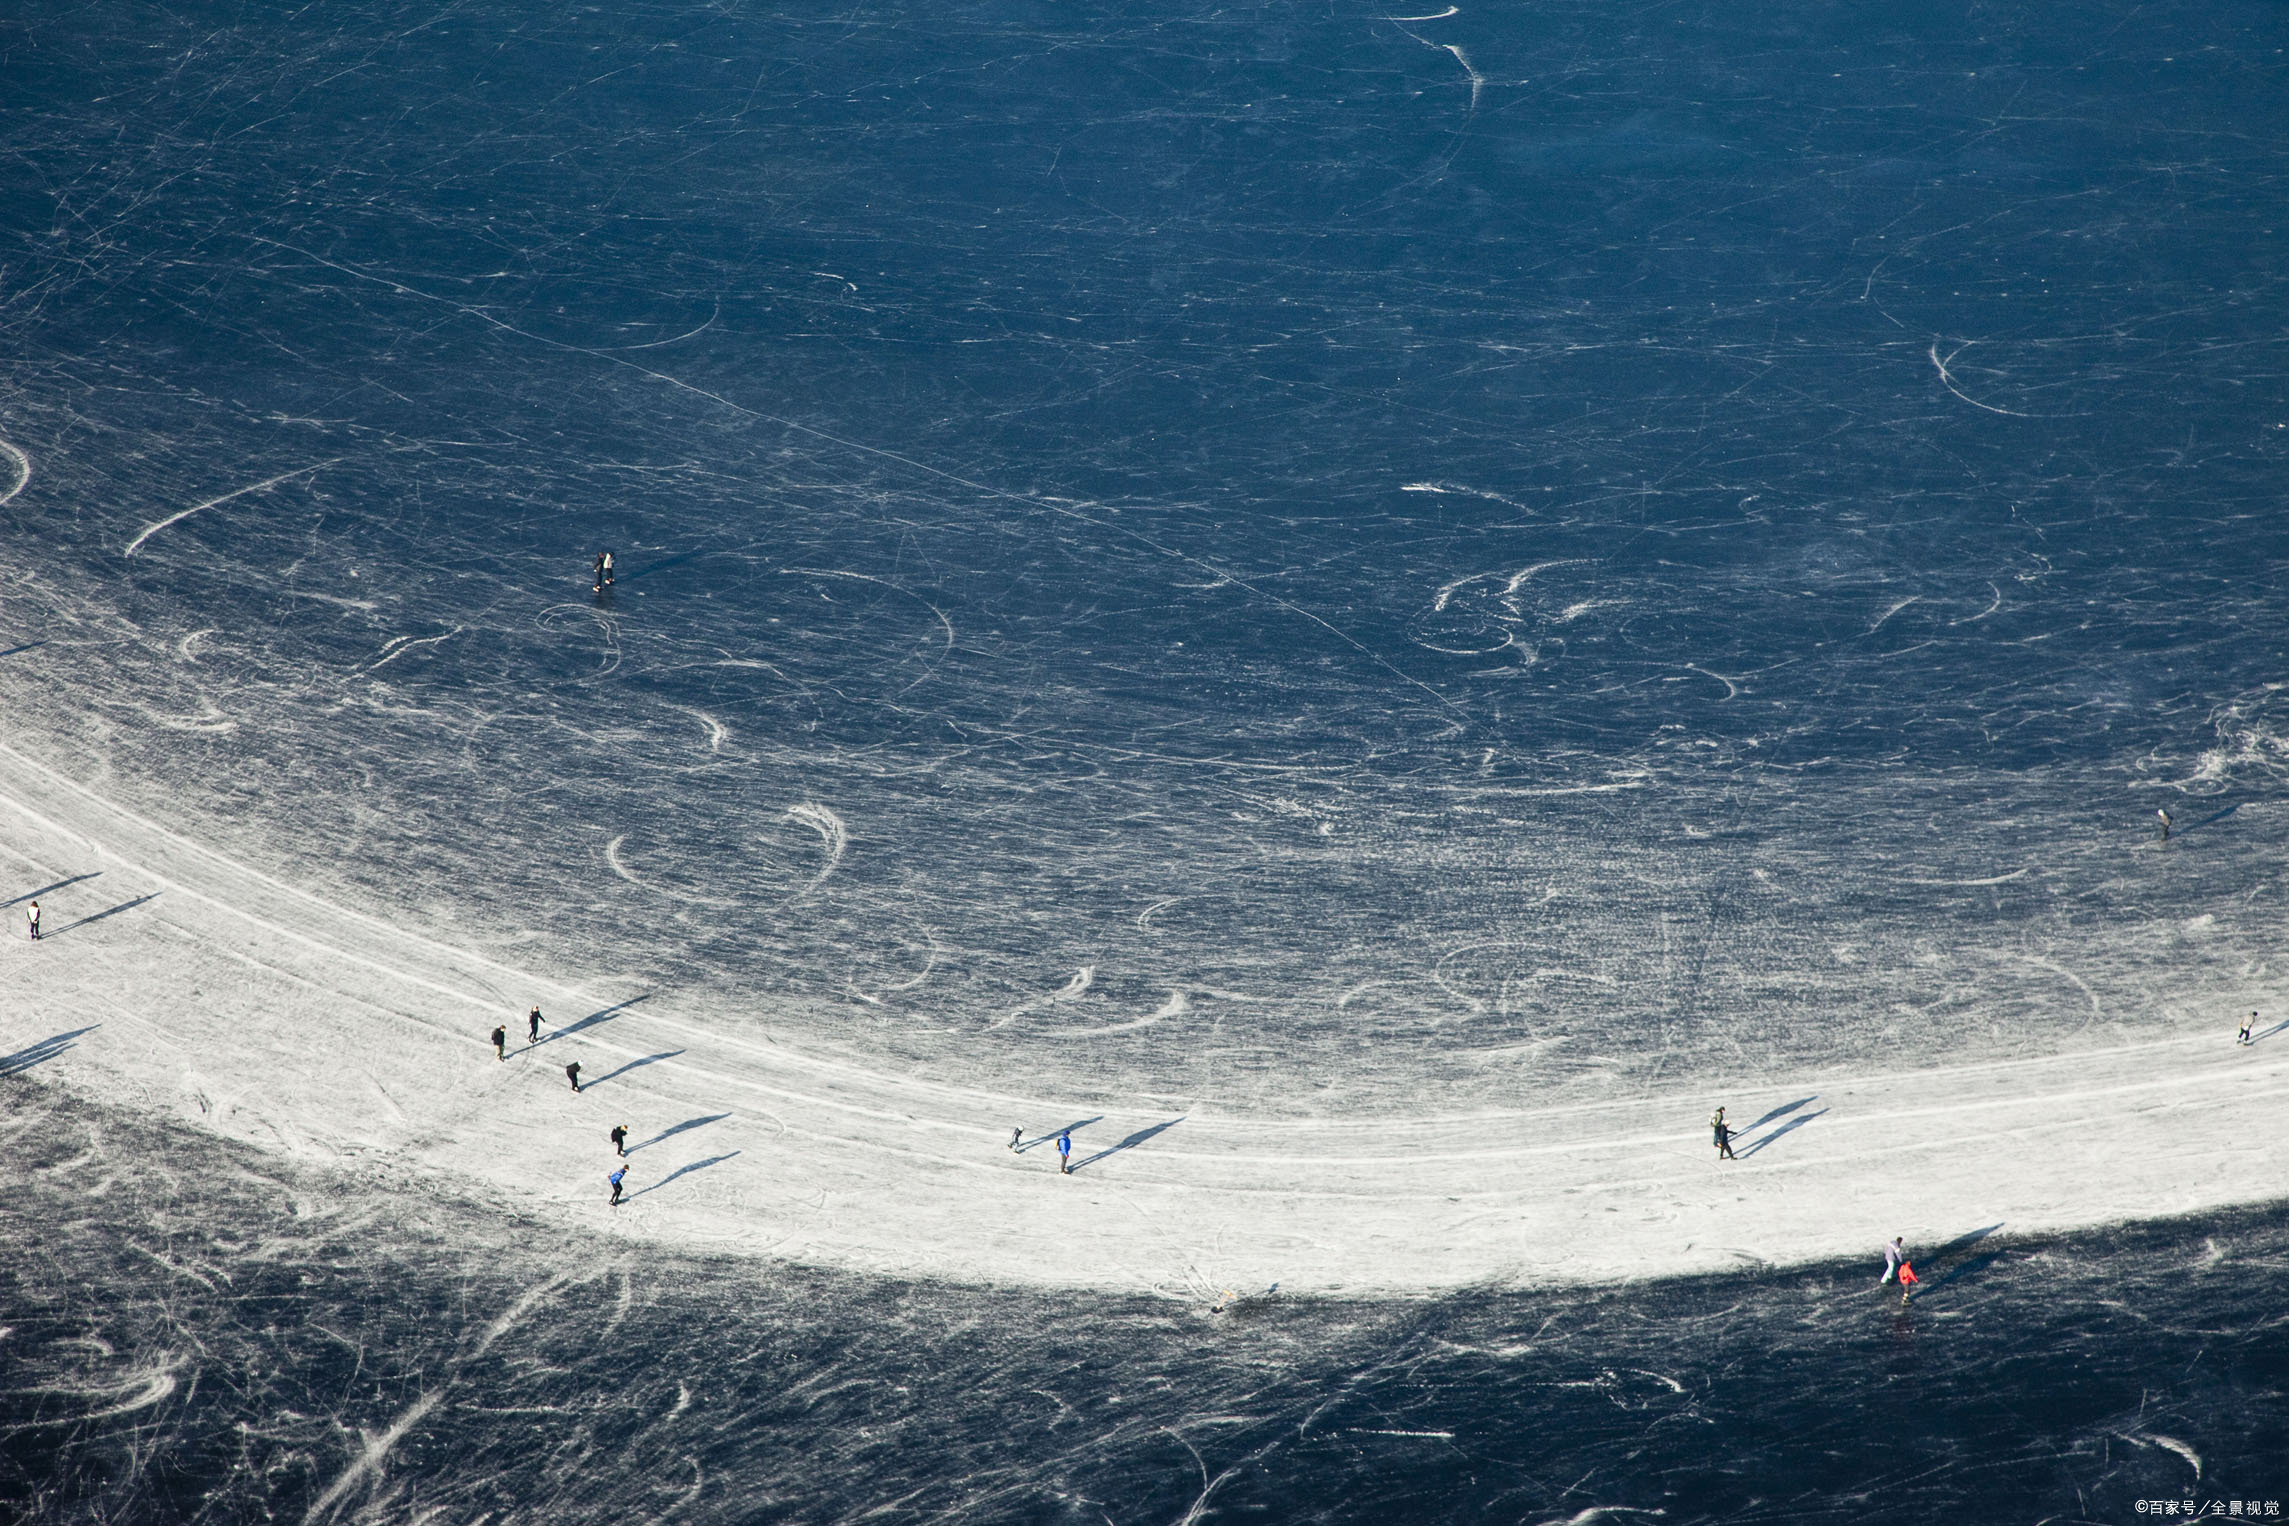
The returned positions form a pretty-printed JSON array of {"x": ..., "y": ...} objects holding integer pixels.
[{"x": 1894, "y": 1254}]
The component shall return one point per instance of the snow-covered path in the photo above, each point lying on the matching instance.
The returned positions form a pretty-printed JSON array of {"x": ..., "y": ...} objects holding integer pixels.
[{"x": 175, "y": 979}]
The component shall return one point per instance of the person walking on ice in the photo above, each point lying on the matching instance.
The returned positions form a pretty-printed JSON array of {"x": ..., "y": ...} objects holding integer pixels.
[
  {"x": 572, "y": 1074},
  {"x": 1894, "y": 1254},
  {"x": 532, "y": 1027},
  {"x": 500, "y": 1043},
  {"x": 619, "y": 1138},
  {"x": 1065, "y": 1153},
  {"x": 1014, "y": 1136},
  {"x": 603, "y": 571},
  {"x": 2247, "y": 1023},
  {"x": 33, "y": 917},
  {"x": 1722, "y": 1133},
  {"x": 2165, "y": 815},
  {"x": 1908, "y": 1281},
  {"x": 615, "y": 1179}
]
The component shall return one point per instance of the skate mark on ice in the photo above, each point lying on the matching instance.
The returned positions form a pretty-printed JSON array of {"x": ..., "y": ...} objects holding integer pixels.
[
  {"x": 1081, "y": 981},
  {"x": 1995, "y": 879},
  {"x": 832, "y": 835},
  {"x": 42, "y": 1052},
  {"x": 33, "y": 895},
  {"x": 649, "y": 1059},
  {"x": 1789, "y": 1127},
  {"x": 1175, "y": 1006},
  {"x": 150, "y": 530},
  {"x": 1049, "y": 1136},
  {"x": 98, "y": 916},
  {"x": 682, "y": 1171},
  {"x": 20, "y": 466},
  {"x": 2173, "y": 1444},
  {"x": 1130, "y": 1143},
  {"x": 674, "y": 1129},
  {"x": 1947, "y": 380},
  {"x": 368, "y": 1462},
  {"x": 612, "y": 857},
  {"x": 605, "y": 1015},
  {"x": 398, "y": 646}
]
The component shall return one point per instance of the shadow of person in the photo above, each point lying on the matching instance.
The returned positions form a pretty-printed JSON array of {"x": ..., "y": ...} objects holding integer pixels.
[
  {"x": 1050, "y": 1137},
  {"x": 1789, "y": 1127},
  {"x": 649, "y": 1059},
  {"x": 1130, "y": 1143},
  {"x": 42, "y": 1052},
  {"x": 98, "y": 916},
  {"x": 684, "y": 1171}
]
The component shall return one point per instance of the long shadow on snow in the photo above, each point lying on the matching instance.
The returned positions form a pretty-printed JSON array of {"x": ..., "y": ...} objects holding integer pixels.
[
  {"x": 678, "y": 1128},
  {"x": 1784, "y": 1108},
  {"x": 45, "y": 1050},
  {"x": 1050, "y": 1136},
  {"x": 1789, "y": 1127},
  {"x": 665, "y": 1054},
  {"x": 1138, "y": 1138},
  {"x": 100, "y": 915},
  {"x": 591, "y": 1020},
  {"x": 33, "y": 895},
  {"x": 697, "y": 1165}
]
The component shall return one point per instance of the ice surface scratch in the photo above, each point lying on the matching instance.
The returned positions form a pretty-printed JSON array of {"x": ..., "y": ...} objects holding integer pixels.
[
  {"x": 255, "y": 487},
  {"x": 1895, "y": 609},
  {"x": 831, "y": 834},
  {"x": 1996, "y": 879},
  {"x": 1732, "y": 690},
  {"x": 612, "y": 857},
  {"x": 2173, "y": 1444},
  {"x": 825, "y": 572},
  {"x": 369, "y": 1461},
  {"x": 1082, "y": 979},
  {"x": 1144, "y": 917},
  {"x": 1175, "y": 1006},
  {"x": 1947, "y": 380},
  {"x": 23, "y": 470},
  {"x": 398, "y": 646}
]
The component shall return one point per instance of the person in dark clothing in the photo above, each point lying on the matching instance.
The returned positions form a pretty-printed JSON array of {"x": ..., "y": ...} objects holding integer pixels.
[
  {"x": 619, "y": 1138},
  {"x": 2165, "y": 815},
  {"x": 1722, "y": 1133},
  {"x": 572, "y": 1074},
  {"x": 1014, "y": 1136},
  {"x": 1065, "y": 1153},
  {"x": 615, "y": 1179},
  {"x": 500, "y": 1043},
  {"x": 603, "y": 571},
  {"x": 532, "y": 1027}
]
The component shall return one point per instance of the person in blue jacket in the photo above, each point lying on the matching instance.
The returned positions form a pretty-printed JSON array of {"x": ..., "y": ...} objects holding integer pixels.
[{"x": 1065, "y": 1153}]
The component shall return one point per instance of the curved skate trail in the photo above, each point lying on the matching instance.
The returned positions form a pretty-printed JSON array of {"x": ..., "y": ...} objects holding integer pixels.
[{"x": 326, "y": 1031}]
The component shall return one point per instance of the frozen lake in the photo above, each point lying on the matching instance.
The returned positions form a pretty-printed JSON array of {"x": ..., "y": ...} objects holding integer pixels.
[{"x": 1295, "y": 570}]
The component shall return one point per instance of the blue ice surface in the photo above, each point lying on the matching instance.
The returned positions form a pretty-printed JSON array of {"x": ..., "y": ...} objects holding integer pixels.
[
  {"x": 1625, "y": 531},
  {"x": 1600, "y": 536}
]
